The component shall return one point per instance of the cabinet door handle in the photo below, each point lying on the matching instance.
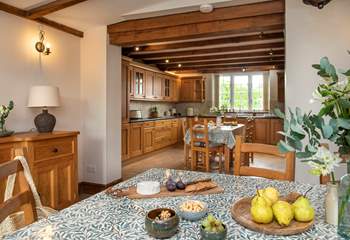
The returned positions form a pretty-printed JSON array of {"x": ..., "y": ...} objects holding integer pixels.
[{"x": 55, "y": 150}]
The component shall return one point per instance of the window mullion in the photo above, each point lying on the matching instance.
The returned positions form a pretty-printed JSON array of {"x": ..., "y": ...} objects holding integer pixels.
[
  {"x": 250, "y": 94},
  {"x": 232, "y": 90}
]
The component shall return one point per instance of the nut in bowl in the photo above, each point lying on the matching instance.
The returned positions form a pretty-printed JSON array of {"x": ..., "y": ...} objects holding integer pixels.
[
  {"x": 193, "y": 210},
  {"x": 161, "y": 223}
]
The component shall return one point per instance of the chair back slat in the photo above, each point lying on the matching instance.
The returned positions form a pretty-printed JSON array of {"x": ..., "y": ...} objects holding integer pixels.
[
  {"x": 24, "y": 199},
  {"x": 242, "y": 168}
]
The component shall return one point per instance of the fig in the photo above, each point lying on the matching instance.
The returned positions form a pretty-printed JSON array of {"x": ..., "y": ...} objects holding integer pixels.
[
  {"x": 170, "y": 185},
  {"x": 180, "y": 185}
]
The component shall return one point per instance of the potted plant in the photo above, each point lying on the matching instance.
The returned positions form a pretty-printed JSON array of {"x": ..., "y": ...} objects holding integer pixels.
[
  {"x": 154, "y": 112},
  {"x": 4, "y": 113},
  {"x": 331, "y": 123},
  {"x": 218, "y": 112}
]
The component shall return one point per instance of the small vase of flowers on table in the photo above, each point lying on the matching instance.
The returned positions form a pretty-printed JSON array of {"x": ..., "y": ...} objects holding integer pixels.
[
  {"x": 332, "y": 124},
  {"x": 4, "y": 113}
]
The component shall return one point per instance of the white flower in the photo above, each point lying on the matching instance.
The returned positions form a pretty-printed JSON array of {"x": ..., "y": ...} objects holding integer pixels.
[{"x": 324, "y": 162}]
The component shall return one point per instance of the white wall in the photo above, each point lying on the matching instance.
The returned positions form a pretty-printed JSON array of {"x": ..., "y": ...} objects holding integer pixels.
[
  {"x": 311, "y": 34},
  {"x": 20, "y": 69},
  {"x": 101, "y": 107}
]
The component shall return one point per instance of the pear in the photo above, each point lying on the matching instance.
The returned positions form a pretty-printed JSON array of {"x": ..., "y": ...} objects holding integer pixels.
[
  {"x": 303, "y": 211},
  {"x": 261, "y": 194},
  {"x": 272, "y": 194},
  {"x": 283, "y": 212},
  {"x": 260, "y": 211}
]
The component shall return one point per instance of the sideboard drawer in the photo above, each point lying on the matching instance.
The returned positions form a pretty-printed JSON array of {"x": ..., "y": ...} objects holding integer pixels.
[{"x": 54, "y": 148}]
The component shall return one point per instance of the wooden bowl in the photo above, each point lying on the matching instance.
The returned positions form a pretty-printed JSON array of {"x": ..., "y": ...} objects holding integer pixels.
[
  {"x": 161, "y": 229},
  {"x": 240, "y": 212}
]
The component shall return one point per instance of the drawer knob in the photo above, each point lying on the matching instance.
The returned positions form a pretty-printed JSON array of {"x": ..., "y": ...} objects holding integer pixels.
[{"x": 55, "y": 150}]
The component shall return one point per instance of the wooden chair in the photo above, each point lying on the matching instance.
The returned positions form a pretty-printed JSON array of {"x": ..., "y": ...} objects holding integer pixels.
[
  {"x": 201, "y": 147},
  {"x": 24, "y": 199},
  {"x": 187, "y": 147},
  {"x": 242, "y": 168}
]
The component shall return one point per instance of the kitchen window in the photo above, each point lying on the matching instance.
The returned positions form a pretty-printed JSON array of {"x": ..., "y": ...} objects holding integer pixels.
[{"x": 243, "y": 92}]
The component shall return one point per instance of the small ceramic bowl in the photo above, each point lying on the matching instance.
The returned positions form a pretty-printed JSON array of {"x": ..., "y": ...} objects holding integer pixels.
[
  {"x": 161, "y": 229},
  {"x": 213, "y": 236},
  {"x": 193, "y": 216}
]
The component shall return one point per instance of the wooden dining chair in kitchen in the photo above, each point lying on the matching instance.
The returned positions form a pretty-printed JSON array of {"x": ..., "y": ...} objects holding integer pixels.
[
  {"x": 242, "y": 164},
  {"x": 23, "y": 200},
  {"x": 187, "y": 146},
  {"x": 202, "y": 148}
]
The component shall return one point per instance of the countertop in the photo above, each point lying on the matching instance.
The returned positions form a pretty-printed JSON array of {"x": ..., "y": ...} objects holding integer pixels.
[
  {"x": 104, "y": 217},
  {"x": 259, "y": 116}
]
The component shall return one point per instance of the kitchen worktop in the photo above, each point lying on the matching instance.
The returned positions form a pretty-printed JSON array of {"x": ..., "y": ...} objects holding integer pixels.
[{"x": 259, "y": 116}]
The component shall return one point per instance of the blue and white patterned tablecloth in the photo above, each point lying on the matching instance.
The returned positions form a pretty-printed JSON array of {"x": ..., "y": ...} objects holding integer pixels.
[
  {"x": 103, "y": 217},
  {"x": 219, "y": 135}
]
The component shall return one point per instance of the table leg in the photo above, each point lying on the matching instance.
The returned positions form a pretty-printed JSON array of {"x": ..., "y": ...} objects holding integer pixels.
[{"x": 227, "y": 160}]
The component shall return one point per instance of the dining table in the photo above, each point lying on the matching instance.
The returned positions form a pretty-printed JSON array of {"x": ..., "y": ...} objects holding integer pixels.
[
  {"x": 223, "y": 134},
  {"x": 103, "y": 216}
]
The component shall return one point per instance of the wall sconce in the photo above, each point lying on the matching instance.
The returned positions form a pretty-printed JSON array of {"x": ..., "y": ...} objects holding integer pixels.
[{"x": 40, "y": 46}]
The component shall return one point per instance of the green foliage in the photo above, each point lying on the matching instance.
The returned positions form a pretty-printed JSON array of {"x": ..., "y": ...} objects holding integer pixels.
[{"x": 334, "y": 94}]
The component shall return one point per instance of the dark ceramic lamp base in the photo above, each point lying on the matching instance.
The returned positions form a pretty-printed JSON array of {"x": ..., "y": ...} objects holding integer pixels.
[{"x": 45, "y": 122}]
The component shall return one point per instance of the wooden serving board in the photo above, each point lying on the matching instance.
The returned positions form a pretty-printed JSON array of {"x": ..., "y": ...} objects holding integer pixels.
[
  {"x": 240, "y": 212},
  {"x": 132, "y": 194}
]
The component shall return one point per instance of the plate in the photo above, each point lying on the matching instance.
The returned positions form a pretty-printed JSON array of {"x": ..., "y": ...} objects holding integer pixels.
[{"x": 240, "y": 212}]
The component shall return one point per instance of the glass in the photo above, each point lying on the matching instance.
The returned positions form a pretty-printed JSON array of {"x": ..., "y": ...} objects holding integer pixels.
[
  {"x": 344, "y": 206},
  {"x": 257, "y": 92},
  {"x": 225, "y": 91},
  {"x": 240, "y": 92}
]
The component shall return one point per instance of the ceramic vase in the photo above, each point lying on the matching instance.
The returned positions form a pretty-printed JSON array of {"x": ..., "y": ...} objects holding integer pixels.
[{"x": 331, "y": 203}]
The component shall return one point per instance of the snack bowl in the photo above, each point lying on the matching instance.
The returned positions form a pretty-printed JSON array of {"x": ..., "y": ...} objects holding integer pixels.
[
  {"x": 205, "y": 235},
  {"x": 192, "y": 210},
  {"x": 160, "y": 228}
]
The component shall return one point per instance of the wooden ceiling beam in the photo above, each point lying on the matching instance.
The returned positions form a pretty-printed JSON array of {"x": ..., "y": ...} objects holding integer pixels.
[
  {"x": 212, "y": 50},
  {"x": 220, "y": 14},
  {"x": 227, "y": 61},
  {"x": 51, "y": 7},
  {"x": 268, "y": 63},
  {"x": 198, "y": 30},
  {"x": 217, "y": 57},
  {"x": 24, "y": 14},
  {"x": 202, "y": 43},
  {"x": 247, "y": 69}
]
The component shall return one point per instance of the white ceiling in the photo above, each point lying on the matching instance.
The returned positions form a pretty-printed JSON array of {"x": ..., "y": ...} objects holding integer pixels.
[{"x": 103, "y": 12}]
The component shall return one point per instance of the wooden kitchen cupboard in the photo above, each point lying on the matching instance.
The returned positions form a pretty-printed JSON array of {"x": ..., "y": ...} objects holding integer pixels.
[
  {"x": 148, "y": 137},
  {"x": 138, "y": 82},
  {"x": 136, "y": 139},
  {"x": 276, "y": 125},
  {"x": 192, "y": 89},
  {"x": 126, "y": 92},
  {"x": 52, "y": 159},
  {"x": 125, "y": 141}
]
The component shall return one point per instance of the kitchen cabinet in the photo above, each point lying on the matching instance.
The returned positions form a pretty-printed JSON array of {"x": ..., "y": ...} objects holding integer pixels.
[
  {"x": 192, "y": 89},
  {"x": 174, "y": 131},
  {"x": 125, "y": 141},
  {"x": 158, "y": 87},
  {"x": 150, "y": 85},
  {"x": 138, "y": 81},
  {"x": 52, "y": 159},
  {"x": 136, "y": 139},
  {"x": 126, "y": 85},
  {"x": 262, "y": 131},
  {"x": 148, "y": 137}
]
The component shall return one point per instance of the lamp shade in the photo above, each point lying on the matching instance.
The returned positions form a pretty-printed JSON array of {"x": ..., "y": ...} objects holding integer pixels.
[{"x": 44, "y": 96}]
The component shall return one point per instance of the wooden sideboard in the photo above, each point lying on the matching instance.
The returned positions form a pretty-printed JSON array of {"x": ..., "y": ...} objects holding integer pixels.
[{"x": 52, "y": 158}]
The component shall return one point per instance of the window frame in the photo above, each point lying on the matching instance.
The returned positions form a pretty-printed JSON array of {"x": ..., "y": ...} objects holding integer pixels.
[{"x": 250, "y": 89}]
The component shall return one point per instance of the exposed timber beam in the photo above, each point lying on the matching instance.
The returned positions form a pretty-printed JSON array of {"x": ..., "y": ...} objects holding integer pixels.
[
  {"x": 202, "y": 43},
  {"x": 22, "y": 13},
  {"x": 212, "y": 50},
  {"x": 51, "y": 7},
  {"x": 217, "y": 57}
]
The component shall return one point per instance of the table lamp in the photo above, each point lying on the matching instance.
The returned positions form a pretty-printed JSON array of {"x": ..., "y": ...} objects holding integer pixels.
[{"x": 44, "y": 97}]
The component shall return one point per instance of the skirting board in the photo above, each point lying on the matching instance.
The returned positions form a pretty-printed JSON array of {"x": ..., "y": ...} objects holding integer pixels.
[{"x": 93, "y": 188}]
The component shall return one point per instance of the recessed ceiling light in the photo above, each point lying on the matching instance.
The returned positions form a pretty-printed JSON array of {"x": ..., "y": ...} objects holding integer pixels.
[
  {"x": 244, "y": 69},
  {"x": 271, "y": 52},
  {"x": 137, "y": 49},
  {"x": 167, "y": 61},
  {"x": 206, "y": 8},
  {"x": 179, "y": 65}
]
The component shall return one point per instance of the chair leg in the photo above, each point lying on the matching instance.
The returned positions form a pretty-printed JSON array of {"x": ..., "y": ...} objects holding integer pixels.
[{"x": 207, "y": 162}]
